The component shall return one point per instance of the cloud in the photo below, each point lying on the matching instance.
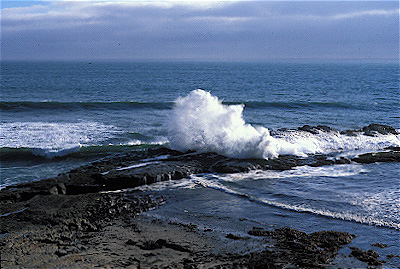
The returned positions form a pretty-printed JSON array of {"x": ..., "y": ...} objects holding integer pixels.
[
  {"x": 374, "y": 12},
  {"x": 200, "y": 30}
]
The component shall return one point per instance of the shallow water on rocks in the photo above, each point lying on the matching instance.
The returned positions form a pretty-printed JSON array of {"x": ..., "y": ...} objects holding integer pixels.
[{"x": 360, "y": 199}]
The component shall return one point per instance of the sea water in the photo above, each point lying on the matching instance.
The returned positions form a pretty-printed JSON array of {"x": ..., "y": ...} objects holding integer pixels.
[{"x": 59, "y": 115}]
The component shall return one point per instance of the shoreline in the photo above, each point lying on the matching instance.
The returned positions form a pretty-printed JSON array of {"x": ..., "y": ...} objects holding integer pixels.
[
  {"x": 78, "y": 219},
  {"x": 107, "y": 230}
]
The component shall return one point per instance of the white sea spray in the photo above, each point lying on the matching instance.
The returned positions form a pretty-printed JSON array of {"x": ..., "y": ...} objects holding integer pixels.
[{"x": 201, "y": 122}]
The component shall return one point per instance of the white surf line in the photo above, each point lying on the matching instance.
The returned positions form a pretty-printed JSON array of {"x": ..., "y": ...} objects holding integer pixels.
[
  {"x": 131, "y": 167},
  {"x": 162, "y": 157},
  {"x": 301, "y": 209},
  {"x": 14, "y": 212},
  {"x": 136, "y": 166}
]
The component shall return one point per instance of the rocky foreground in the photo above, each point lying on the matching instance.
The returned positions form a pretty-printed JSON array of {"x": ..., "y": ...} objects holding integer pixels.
[{"x": 73, "y": 221}]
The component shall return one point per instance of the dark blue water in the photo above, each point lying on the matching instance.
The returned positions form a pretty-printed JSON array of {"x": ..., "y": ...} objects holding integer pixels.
[{"x": 58, "y": 115}]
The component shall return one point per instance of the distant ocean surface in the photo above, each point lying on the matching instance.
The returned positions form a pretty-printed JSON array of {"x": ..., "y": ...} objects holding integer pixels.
[{"x": 59, "y": 115}]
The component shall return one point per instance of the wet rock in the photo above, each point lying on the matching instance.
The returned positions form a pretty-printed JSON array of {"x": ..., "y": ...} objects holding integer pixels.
[
  {"x": 311, "y": 250},
  {"x": 331, "y": 239},
  {"x": 150, "y": 245},
  {"x": 369, "y": 256},
  {"x": 391, "y": 156},
  {"x": 171, "y": 245},
  {"x": 136, "y": 168},
  {"x": 393, "y": 148},
  {"x": 159, "y": 243},
  {"x": 297, "y": 249},
  {"x": 257, "y": 232},
  {"x": 373, "y": 129},
  {"x": 342, "y": 160},
  {"x": 349, "y": 133},
  {"x": 316, "y": 129},
  {"x": 48, "y": 241},
  {"x": 289, "y": 233},
  {"x": 379, "y": 245},
  {"x": 130, "y": 242},
  {"x": 61, "y": 252},
  {"x": 321, "y": 160},
  {"x": 233, "y": 237},
  {"x": 139, "y": 168},
  {"x": 391, "y": 256}
]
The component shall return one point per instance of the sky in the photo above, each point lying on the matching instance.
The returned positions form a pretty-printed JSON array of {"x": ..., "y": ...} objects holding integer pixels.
[{"x": 199, "y": 30}]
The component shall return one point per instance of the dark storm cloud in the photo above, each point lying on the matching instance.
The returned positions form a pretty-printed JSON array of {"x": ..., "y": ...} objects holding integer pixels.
[{"x": 198, "y": 30}]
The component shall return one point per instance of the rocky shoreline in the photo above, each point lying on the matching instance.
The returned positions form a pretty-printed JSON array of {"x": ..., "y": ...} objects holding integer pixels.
[
  {"x": 81, "y": 219},
  {"x": 105, "y": 230}
]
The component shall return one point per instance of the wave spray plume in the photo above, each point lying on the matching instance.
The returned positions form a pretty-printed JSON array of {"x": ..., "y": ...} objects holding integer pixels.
[{"x": 201, "y": 122}]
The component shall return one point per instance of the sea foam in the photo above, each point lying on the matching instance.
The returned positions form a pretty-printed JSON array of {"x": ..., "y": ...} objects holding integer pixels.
[
  {"x": 201, "y": 122},
  {"x": 53, "y": 139}
]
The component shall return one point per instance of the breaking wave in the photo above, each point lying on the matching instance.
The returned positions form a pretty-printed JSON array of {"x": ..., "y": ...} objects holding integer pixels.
[
  {"x": 203, "y": 123},
  {"x": 27, "y": 140}
]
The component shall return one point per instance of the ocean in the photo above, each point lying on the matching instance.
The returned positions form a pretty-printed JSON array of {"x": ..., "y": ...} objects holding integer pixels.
[{"x": 56, "y": 116}]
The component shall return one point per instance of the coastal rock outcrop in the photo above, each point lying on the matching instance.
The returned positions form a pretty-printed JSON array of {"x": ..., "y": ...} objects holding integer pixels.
[
  {"x": 137, "y": 168},
  {"x": 55, "y": 219}
]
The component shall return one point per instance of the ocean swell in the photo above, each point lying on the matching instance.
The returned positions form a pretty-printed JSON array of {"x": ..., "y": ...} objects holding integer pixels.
[
  {"x": 52, "y": 105},
  {"x": 78, "y": 152}
]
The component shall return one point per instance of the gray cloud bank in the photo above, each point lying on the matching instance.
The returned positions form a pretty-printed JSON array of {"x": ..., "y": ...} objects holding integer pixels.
[{"x": 200, "y": 31}]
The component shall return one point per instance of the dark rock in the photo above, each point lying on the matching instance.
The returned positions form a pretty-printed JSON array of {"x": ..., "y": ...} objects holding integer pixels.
[
  {"x": 371, "y": 130},
  {"x": 393, "y": 148},
  {"x": 349, "y": 133},
  {"x": 374, "y": 128},
  {"x": 61, "y": 252},
  {"x": 379, "y": 245},
  {"x": 233, "y": 237},
  {"x": 130, "y": 242},
  {"x": 370, "y": 256},
  {"x": 331, "y": 239},
  {"x": 391, "y": 256},
  {"x": 308, "y": 128},
  {"x": 297, "y": 249},
  {"x": 289, "y": 233},
  {"x": 173, "y": 246},
  {"x": 159, "y": 243},
  {"x": 150, "y": 245},
  {"x": 342, "y": 160},
  {"x": 321, "y": 160},
  {"x": 48, "y": 241},
  {"x": 265, "y": 259},
  {"x": 391, "y": 156},
  {"x": 129, "y": 170},
  {"x": 316, "y": 129},
  {"x": 256, "y": 232}
]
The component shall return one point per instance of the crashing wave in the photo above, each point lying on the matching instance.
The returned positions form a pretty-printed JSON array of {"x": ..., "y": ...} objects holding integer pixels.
[{"x": 201, "y": 122}]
